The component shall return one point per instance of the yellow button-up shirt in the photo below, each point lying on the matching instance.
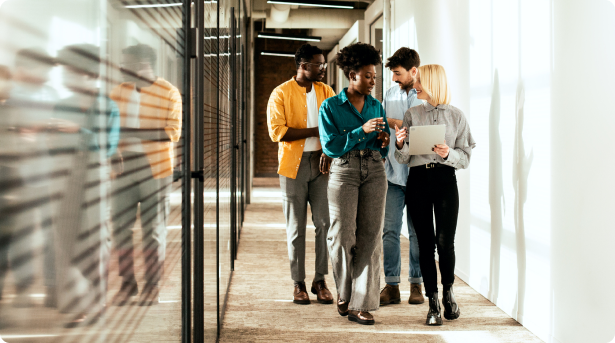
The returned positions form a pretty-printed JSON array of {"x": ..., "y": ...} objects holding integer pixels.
[
  {"x": 287, "y": 108},
  {"x": 160, "y": 108}
]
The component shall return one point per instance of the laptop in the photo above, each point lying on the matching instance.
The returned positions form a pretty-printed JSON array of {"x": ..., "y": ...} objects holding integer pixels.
[{"x": 423, "y": 138}]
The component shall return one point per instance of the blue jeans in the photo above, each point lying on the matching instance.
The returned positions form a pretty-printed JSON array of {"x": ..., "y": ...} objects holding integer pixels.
[{"x": 393, "y": 220}]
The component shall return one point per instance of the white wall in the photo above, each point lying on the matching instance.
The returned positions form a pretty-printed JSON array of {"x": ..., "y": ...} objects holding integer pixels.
[
  {"x": 534, "y": 77},
  {"x": 583, "y": 118}
]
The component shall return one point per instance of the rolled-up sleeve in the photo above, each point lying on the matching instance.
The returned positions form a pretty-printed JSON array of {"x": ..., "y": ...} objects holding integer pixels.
[
  {"x": 276, "y": 117},
  {"x": 335, "y": 144}
]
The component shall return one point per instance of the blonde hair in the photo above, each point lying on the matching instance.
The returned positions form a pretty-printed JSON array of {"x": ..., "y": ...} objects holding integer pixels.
[{"x": 433, "y": 81}]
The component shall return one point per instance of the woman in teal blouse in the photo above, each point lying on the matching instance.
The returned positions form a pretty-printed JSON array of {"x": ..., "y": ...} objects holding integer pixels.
[{"x": 353, "y": 130}]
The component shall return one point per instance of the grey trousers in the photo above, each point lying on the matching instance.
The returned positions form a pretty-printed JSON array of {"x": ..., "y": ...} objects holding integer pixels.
[
  {"x": 133, "y": 187},
  {"x": 310, "y": 186},
  {"x": 357, "y": 193}
]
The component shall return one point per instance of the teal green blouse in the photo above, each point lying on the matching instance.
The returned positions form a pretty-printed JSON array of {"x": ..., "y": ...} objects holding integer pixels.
[{"x": 340, "y": 126}]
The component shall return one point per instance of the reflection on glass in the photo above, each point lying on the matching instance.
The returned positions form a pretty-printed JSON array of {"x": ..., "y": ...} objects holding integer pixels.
[
  {"x": 90, "y": 136},
  {"x": 150, "y": 110}
]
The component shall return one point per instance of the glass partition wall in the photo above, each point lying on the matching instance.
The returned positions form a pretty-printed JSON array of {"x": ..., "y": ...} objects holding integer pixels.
[
  {"x": 122, "y": 167},
  {"x": 376, "y": 38}
]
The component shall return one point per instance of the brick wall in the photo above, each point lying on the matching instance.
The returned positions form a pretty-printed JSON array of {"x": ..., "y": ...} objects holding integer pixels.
[{"x": 270, "y": 72}]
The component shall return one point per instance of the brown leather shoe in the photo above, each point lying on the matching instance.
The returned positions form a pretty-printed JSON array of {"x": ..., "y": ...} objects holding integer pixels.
[
  {"x": 390, "y": 295},
  {"x": 322, "y": 292},
  {"x": 300, "y": 295},
  {"x": 363, "y": 318},
  {"x": 342, "y": 307},
  {"x": 416, "y": 294}
]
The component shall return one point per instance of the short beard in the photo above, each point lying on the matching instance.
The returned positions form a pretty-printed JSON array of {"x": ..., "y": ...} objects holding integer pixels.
[
  {"x": 312, "y": 79},
  {"x": 408, "y": 87}
]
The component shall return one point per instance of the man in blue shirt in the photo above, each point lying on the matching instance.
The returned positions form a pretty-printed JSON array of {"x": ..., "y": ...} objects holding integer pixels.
[{"x": 398, "y": 99}]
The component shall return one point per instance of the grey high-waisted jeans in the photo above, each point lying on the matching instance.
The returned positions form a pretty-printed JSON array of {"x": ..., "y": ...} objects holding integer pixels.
[{"x": 357, "y": 192}]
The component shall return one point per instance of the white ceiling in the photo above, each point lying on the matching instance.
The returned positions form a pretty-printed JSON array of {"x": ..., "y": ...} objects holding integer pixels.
[{"x": 330, "y": 24}]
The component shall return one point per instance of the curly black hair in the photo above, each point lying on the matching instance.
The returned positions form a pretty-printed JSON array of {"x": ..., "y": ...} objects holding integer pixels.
[
  {"x": 405, "y": 57},
  {"x": 357, "y": 55},
  {"x": 305, "y": 53}
]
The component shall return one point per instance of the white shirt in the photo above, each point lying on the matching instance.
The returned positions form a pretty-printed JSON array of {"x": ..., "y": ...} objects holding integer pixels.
[
  {"x": 312, "y": 143},
  {"x": 132, "y": 121}
]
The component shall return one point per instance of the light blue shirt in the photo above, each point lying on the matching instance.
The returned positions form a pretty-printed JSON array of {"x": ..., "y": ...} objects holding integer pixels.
[{"x": 396, "y": 102}]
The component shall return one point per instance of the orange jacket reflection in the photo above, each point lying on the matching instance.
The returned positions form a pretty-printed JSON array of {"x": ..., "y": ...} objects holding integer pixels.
[{"x": 160, "y": 108}]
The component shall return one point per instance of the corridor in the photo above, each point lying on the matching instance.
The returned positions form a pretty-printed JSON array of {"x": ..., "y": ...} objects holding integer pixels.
[
  {"x": 142, "y": 144},
  {"x": 260, "y": 307}
]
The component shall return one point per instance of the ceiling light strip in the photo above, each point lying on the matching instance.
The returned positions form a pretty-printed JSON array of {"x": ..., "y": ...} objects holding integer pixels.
[
  {"x": 310, "y": 4},
  {"x": 153, "y": 5},
  {"x": 308, "y": 39},
  {"x": 274, "y": 53}
]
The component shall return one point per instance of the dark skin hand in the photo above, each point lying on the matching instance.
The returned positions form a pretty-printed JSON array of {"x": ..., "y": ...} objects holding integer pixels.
[
  {"x": 297, "y": 134},
  {"x": 361, "y": 84},
  {"x": 325, "y": 163},
  {"x": 384, "y": 137},
  {"x": 307, "y": 73}
]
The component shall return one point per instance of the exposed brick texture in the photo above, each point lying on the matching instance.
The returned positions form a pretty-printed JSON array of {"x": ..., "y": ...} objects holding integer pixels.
[{"x": 270, "y": 71}]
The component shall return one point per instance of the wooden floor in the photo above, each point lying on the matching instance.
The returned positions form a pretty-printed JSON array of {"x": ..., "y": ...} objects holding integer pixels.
[{"x": 260, "y": 307}]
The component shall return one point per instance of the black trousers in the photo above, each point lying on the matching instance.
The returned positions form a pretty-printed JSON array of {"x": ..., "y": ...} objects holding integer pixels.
[{"x": 432, "y": 192}]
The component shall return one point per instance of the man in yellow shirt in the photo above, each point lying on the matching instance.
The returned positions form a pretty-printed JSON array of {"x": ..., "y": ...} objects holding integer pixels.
[
  {"x": 292, "y": 118},
  {"x": 150, "y": 116}
]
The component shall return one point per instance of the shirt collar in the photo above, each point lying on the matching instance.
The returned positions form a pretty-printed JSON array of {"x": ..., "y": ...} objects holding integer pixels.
[
  {"x": 430, "y": 107},
  {"x": 342, "y": 98},
  {"x": 402, "y": 92}
]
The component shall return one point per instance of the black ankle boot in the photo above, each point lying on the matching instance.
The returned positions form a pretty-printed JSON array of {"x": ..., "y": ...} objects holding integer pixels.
[
  {"x": 451, "y": 310},
  {"x": 433, "y": 316}
]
